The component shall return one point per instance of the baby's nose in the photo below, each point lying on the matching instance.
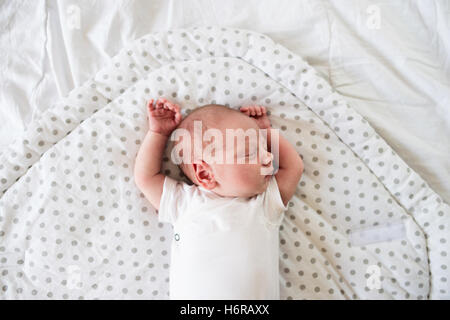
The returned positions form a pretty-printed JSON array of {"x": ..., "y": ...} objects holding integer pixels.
[{"x": 268, "y": 157}]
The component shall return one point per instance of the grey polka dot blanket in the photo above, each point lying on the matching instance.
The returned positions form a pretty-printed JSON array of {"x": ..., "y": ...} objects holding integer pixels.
[{"x": 73, "y": 225}]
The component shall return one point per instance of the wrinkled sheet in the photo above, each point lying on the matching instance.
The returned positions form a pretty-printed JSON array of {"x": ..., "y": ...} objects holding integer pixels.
[{"x": 391, "y": 59}]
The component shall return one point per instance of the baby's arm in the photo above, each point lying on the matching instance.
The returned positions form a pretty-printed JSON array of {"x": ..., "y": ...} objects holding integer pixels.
[
  {"x": 164, "y": 117},
  {"x": 290, "y": 166}
]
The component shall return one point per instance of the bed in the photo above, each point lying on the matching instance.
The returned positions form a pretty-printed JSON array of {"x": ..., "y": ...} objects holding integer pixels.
[{"x": 393, "y": 91}]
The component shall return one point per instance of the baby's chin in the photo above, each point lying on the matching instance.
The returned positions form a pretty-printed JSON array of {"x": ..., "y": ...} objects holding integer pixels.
[
  {"x": 257, "y": 191},
  {"x": 243, "y": 194}
]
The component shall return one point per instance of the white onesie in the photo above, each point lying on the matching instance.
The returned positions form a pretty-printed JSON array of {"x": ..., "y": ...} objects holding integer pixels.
[{"x": 223, "y": 248}]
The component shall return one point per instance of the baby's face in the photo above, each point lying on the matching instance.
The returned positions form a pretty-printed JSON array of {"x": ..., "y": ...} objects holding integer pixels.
[{"x": 251, "y": 177}]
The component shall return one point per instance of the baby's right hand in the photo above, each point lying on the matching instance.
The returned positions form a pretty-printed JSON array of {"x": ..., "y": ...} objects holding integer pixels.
[
  {"x": 259, "y": 114},
  {"x": 164, "y": 116}
]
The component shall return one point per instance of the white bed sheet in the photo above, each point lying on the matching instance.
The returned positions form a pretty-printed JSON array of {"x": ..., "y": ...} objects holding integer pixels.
[{"x": 390, "y": 59}]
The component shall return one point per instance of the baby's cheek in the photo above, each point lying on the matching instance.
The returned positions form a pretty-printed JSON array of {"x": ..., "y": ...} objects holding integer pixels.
[
  {"x": 238, "y": 174},
  {"x": 248, "y": 175}
]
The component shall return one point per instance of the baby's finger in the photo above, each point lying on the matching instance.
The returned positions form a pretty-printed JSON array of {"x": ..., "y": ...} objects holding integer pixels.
[
  {"x": 159, "y": 104},
  {"x": 258, "y": 112},
  {"x": 151, "y": 107},
  {"x": 176, "y": 108},
  {"x": 177, "y": 117},
  {"x": 170, "y": 106},
  {"x": 167, "y": 104}
]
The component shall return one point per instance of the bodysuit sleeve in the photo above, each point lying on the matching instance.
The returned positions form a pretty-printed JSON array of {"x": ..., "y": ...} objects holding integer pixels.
[{"x": 174, "y": 200}]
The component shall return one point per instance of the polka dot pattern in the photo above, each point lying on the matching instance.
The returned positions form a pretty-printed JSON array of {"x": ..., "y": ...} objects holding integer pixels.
[{"x": 73, "y": 225}]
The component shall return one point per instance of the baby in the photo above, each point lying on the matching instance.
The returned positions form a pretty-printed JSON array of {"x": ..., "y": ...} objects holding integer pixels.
[{"x": 226, "y": 223}]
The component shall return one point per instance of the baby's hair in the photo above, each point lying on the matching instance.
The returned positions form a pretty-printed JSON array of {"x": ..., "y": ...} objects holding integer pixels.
[{"x": 210, "y": 115}]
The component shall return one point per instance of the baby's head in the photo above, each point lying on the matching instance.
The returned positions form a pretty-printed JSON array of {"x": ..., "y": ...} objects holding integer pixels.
[{"x": 249, "y": 171}]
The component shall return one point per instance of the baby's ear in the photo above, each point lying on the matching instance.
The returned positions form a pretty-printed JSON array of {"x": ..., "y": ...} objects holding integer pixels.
[{"x": 204, "y": 175}]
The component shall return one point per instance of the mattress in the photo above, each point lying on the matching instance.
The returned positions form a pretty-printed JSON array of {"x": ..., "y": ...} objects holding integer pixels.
[{"x": 361, "y": 225}]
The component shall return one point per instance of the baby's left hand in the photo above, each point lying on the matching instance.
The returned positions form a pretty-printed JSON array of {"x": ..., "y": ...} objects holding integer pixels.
[{"x": 259, "y": 114}]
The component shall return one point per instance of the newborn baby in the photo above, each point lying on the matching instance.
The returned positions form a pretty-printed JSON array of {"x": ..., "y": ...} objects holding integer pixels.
[{"x": 226, "y": 223}]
